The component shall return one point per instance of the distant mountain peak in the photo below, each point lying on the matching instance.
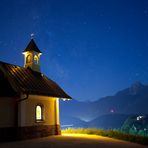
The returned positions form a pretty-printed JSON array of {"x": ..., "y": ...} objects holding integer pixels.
[
  {"x": 137, "y": 83},
  {"x": 136, "y": 87}
]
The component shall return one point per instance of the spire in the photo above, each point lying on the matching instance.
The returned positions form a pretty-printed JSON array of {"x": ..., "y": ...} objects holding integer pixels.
[{"x": 32, "y": 47}]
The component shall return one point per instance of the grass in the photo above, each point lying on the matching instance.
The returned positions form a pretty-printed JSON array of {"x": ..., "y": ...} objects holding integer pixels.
[{"x": 109, "y": 133}]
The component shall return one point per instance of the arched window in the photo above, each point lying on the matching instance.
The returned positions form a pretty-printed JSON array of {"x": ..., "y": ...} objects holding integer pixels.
[
  {"x": 39, "y": 113},
  {"x": 36, "y": 59},
  {"x": 28, "y": 59}
]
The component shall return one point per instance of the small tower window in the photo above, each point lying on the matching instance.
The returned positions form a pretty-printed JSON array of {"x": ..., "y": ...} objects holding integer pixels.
[
  {"x": 36, "y": 59},
  {"x": 39, "y": 113},
  {"x": 28, "y": 59}
]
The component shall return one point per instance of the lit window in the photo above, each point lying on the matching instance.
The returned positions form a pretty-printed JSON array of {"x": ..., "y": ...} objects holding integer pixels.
[
  {"x": 36, "y": 59},
  {"x": 28, "y": 59},
  {"x": 39, "y": 113}
]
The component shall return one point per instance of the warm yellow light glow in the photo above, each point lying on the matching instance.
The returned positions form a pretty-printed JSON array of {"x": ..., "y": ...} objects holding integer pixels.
[
  {"x": 86, "y": 136},
  {"x": 36, "y": 59},
  {"x": 28, "y": 58},
  {"x": 57, "y": 111},
  {"x": 38, "y": 112}
]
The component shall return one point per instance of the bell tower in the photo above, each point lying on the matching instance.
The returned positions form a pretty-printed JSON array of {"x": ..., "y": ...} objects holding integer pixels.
[{"x": 32, "y": 56}]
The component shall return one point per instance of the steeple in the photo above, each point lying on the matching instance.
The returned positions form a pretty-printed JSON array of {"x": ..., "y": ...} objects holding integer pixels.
[
  {"x": 32, "y": 47},
  {"x": 32, "y": 56}
]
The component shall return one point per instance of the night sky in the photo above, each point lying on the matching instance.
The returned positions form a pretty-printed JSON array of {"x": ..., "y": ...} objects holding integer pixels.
[{"x": 91, "y": 48}]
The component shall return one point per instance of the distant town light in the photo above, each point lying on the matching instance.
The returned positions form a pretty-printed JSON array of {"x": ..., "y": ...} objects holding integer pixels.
[
  {"x": 139, "y": 117},
  {"x": 112, "y": 111}
]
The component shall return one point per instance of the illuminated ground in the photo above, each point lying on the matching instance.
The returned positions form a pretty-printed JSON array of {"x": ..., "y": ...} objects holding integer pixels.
[{"x": 72, "y": 141}]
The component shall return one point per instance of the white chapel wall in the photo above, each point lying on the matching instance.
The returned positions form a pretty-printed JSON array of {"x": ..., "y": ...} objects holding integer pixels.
[{"x": 50, "y": 113}]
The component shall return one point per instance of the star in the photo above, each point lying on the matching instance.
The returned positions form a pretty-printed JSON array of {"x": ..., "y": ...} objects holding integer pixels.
[
  {"x": 137, "y": 74},
  {"x": 85, "y": 23},
  {"x": 145, "y": 11}
]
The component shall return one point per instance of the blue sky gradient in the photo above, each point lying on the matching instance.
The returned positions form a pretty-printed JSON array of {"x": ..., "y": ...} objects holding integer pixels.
[{"x": 91, "y": 48}]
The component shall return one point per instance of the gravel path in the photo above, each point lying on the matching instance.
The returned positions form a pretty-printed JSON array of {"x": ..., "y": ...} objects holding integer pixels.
[{"x": 72, "y": 141}]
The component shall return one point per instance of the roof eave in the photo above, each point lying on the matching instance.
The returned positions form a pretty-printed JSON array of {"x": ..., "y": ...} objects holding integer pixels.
[{"x": 48, "y": 95}]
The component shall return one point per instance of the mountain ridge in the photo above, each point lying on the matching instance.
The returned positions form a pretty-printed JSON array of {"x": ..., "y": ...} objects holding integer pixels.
[{"x": 131, "y": 100}]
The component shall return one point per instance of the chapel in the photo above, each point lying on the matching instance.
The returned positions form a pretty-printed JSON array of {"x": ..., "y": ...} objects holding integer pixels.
[{"x": 29, "y": 100}]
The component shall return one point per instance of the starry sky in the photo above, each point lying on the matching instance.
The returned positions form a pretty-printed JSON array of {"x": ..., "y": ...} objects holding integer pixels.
[{"x": 91, "y": 48}]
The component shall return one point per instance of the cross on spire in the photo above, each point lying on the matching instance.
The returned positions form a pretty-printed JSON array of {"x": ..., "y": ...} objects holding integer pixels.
[{"x": 32, "y": 35}]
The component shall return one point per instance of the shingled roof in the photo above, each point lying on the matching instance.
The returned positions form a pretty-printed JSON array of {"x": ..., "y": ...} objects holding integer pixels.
[
  {"x": 32, "y": 47},
  {"x": 25, "y": 80}
]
